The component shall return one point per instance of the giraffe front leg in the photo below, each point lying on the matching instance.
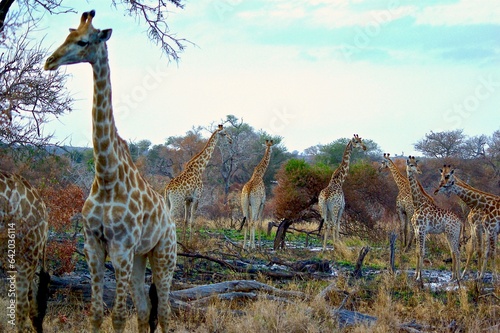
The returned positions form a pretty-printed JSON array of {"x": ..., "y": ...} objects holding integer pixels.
[
  {"x": 420, "y": 250},
  {"x": 122, "y": 260},
  {"x": 187, "y": 210},
  {"x": 472, "y": 246},
  {"x": 490, "y": 237},
  {"x": 95, "y": 255},
  {"x": 259, "y": 224},
  {"x": 454, "y": 244},
  {"x": 403, "y": 228}
]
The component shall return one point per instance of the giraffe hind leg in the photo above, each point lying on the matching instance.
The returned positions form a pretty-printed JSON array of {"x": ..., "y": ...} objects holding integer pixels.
[
  {"x": 141, "y": 303},
  {"x": 163, "y": 262}
]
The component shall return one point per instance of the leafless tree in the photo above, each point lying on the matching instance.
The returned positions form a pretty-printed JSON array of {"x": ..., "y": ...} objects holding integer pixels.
[
  {"x": 28, "y": 96},
  {"x": 153, "y": 13},
  {"x": 442, "y": 144}
]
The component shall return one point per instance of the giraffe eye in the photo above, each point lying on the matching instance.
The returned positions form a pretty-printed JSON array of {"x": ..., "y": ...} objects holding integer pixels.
[{"x": 82, "y": 43}]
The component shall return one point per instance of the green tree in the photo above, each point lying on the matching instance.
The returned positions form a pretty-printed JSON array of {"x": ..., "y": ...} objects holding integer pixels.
[{"x": 298, "y": 188}]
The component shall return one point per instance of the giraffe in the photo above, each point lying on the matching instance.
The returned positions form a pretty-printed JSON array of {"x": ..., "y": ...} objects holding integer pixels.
[
  {"x": 331, "y": 199},
  {"x": 429, "y": 218},
  {"x": 253, "y": 197},
  {"x": 404, "y": 202},
  {"x": 123, "y": 216},
  {"x": 484, "y": 216},
  {"x": 23, "y": 235},
  {"x": 184, "y": 191}
]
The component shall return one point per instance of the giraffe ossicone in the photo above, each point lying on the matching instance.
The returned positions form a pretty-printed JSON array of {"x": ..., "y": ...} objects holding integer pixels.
[{"x": 124, "y": 217}]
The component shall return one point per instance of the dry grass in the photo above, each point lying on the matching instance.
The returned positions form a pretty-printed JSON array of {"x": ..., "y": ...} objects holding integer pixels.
[{"x": 394, "y": 300}]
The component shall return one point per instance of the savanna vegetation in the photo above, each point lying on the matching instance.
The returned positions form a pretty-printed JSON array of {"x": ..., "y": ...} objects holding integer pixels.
[
  {"x": 309, "y": 288},
  {"x": 323, "y": 282}
]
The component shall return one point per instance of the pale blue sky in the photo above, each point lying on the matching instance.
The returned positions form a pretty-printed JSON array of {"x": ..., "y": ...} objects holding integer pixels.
[{"x": 309, "y": 71}]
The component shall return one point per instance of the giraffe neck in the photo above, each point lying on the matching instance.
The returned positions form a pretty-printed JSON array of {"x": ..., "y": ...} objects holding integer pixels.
[
  {"x": 418, "y": 194},
  {"x": 199, "y": 162},
  {"x": 472, "y": 197},
  {"x": 104, "y": 133},
  {"x": 401, "y": 181},
  {"x": 341, "y": 172},
  {"x": 261, "y": 168}
]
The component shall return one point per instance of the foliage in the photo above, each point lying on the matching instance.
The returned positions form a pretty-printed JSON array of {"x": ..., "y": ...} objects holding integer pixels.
[
  {"x": 298, "y": 188},
  {"x": 332, "y": 153},
  {"x": 60, "y": 256},
  {"x": 62, "y": 202},
  {"x": 367, "y": 199}
]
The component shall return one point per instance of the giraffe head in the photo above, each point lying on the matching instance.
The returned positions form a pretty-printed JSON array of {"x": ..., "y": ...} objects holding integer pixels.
[
  {"x": 83, "y": 44},
  {"x": 447, "y": 180},
  {"x": 412, "y": 165},
  {"x": 384, "y": 164},
  {"x": 357, "y": 142},
  {"x": 269, "y": 143},
  {"x": 221, "y": 131}
]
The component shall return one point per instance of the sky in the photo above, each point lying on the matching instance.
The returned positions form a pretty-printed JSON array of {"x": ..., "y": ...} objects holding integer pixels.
[{"x": 309, "y": 71}]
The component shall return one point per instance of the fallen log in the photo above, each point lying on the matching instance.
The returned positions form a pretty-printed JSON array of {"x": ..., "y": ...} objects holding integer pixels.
[{"x": 78, "y": 288}]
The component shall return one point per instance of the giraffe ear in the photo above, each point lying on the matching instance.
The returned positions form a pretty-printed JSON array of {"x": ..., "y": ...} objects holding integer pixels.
[
  {"x": 452, "y": 171},
  {"x": 72, "y": 29},
  {"x": 440, "y": 170},
  {"x": 104, "y": 35}
]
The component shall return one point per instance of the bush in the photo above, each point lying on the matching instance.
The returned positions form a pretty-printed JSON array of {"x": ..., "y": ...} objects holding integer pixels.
[{"x": 298, "y": 188}]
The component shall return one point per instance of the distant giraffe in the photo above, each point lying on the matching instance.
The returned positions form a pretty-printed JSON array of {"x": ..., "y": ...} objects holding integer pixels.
[
  {"x": 253, "y": 197},
  {"x": 23, "y": 237},
  {"x": 331, "y": 199},
  {"x": 404, "y": 202},
  {"x": 124, "y": 217},
  {"x": 485, "y": 208},
  {"x": 184, "y": 191},
  {"x": 429, "y": 218}
]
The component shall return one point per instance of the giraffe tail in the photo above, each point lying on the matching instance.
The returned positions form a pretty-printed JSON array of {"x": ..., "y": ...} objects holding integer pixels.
[
  {"x": 153, "y": 315},
  {"x": 42, "y": 296},
  {"x": 242, "y": 223},
  {"x": 321, "y": 225}
]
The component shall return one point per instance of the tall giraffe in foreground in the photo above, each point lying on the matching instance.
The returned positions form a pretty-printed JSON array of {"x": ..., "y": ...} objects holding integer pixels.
[
  {"x": 123, "y": 216},
  {"x": 253, "y": 197},
  {"x": 23, "y": 236},
  {"x": 430, "y": 219},
  {"x": 404, "y": 202},
  {"x": 184, "y": 191},
  {"x": 485, "y": 208},
  {"x": 331, "y": 199}
]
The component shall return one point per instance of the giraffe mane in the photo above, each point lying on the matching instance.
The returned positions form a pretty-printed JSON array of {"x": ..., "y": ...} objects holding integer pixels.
[{"x": 195, "y": 157}]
